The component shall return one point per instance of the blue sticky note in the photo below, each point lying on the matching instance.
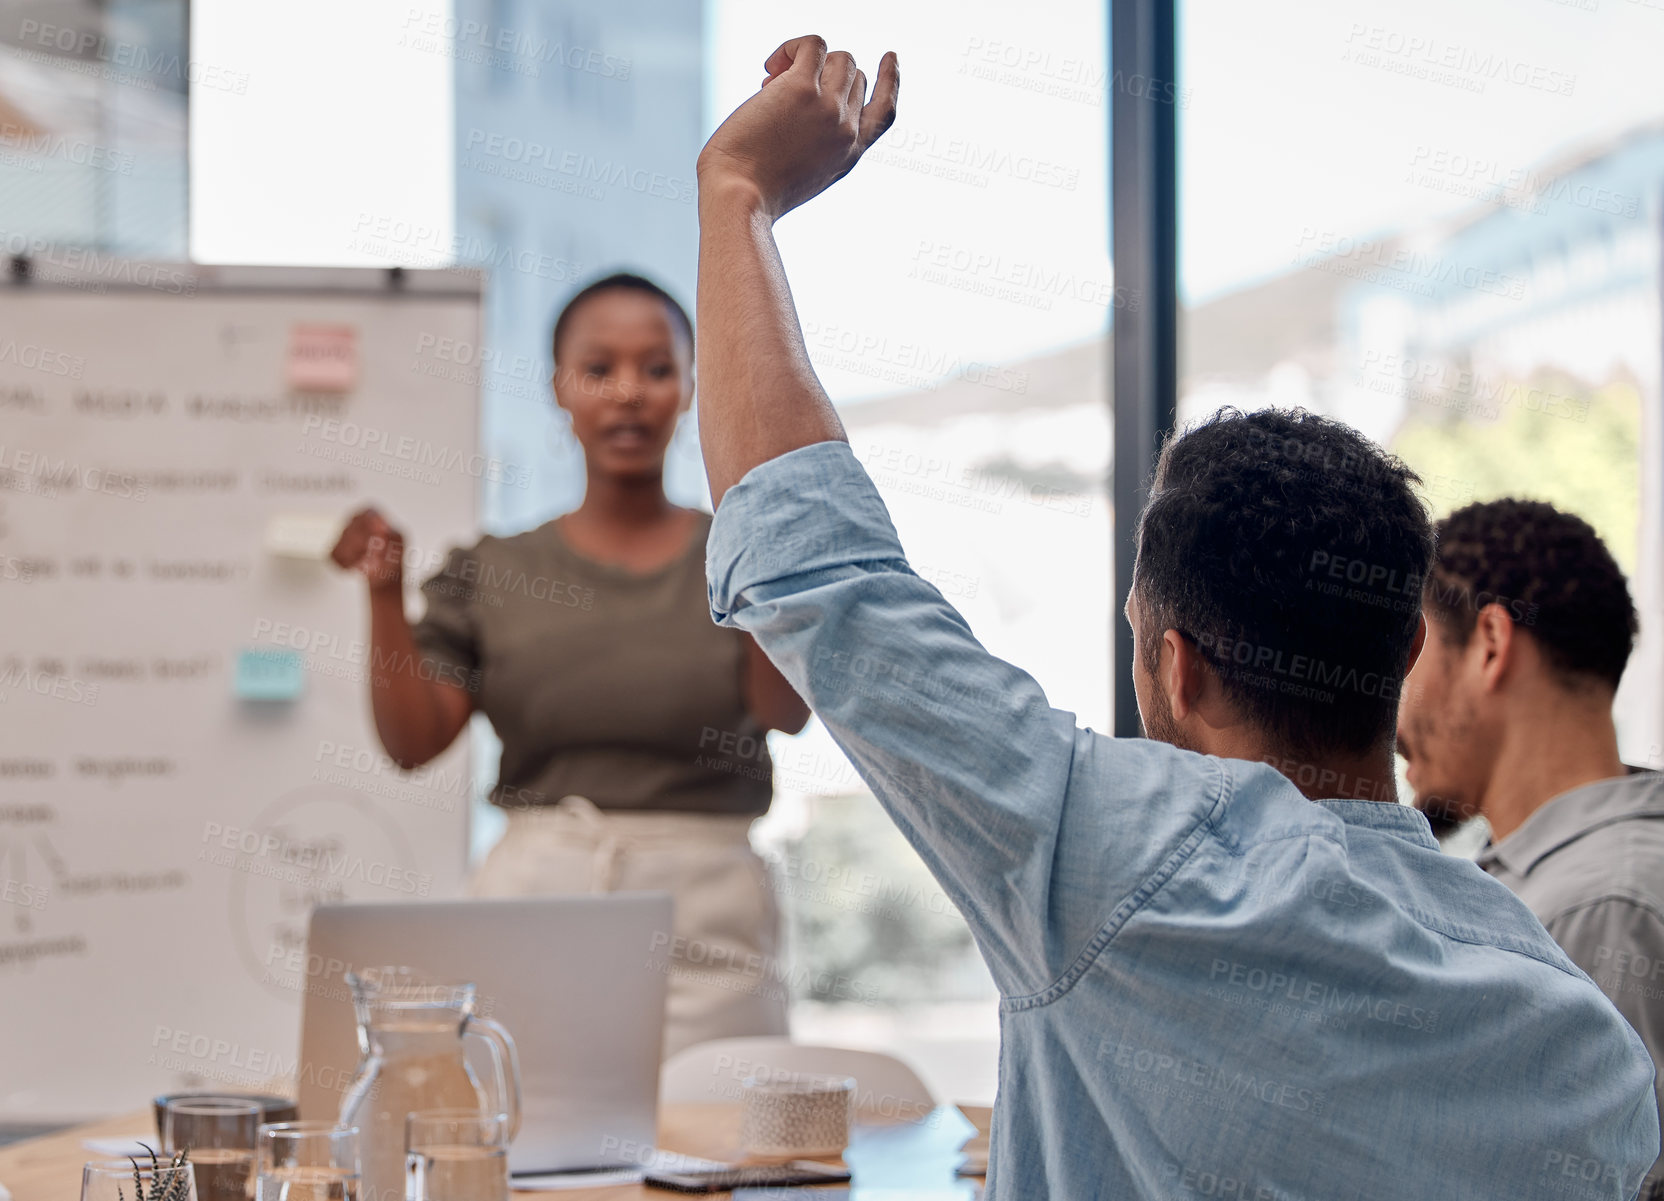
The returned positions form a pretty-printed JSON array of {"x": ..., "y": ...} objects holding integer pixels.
[{"x": 269, "y": 673}]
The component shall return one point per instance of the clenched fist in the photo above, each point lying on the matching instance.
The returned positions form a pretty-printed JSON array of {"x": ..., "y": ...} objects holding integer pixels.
[
  {"x": 803, "y": 131},
  {"x": 371, "y": 545}
]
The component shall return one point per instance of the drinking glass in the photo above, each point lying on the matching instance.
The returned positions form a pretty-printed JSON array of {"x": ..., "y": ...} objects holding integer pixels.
[
  {"x": 113, "y": 1180},
  {"x": 308, "y": 1161},
  {"x": 218, "y": 1133},
  {"x": 456, "y": 1155}
]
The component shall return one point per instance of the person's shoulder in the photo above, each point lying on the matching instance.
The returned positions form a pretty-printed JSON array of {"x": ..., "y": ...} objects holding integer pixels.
[
  {"x": 1623, "y": 814},
  {"x": 491, "y": 555},
  {"x": 1617, "y": 856},
  {"x": 1639, "y": 787},
  {"x": 524, "y": 544},
  {"x": 1171, "y": 779}
]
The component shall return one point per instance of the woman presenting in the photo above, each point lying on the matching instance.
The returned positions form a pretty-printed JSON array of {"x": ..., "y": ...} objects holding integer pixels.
[{"x": 625, "y": 714}]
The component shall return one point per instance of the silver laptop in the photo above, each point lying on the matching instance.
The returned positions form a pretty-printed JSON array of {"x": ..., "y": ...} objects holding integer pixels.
[{"x": 578, "y": 981}]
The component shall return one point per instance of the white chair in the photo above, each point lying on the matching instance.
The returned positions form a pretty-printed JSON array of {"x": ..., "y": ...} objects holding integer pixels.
[{"x": 716, "y": 1071}]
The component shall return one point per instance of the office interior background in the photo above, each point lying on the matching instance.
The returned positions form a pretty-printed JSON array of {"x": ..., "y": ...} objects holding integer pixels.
[{"x": 1438, "y": 222}]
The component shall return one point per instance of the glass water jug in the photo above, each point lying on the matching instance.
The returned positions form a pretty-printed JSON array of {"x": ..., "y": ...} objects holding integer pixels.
[{"x": 410, "y": 1042}]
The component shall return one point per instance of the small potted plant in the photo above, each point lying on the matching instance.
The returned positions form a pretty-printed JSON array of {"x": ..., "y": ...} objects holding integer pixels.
[{"x": 167, "y": 1182}]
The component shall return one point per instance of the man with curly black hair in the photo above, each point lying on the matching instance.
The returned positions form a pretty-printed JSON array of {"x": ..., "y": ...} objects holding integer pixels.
[
  {"x": 1230, "y": 964},
  {"x": 1508, "y": 714}
]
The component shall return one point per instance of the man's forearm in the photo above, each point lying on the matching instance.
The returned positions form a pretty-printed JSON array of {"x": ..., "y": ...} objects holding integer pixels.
[{"x": 758, "y": 395}]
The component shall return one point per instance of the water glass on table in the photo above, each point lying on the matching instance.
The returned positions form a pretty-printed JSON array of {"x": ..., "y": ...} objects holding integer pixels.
[
  {"x": 121, "y": 1180},
  {"x": 218, "y": 1133},
  {"x": 456, "y": 1155},
  {"x": 309, "y": 1161}
]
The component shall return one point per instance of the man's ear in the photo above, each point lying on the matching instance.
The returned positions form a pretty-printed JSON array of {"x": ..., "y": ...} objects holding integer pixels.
[
  {"x": 1179, "y": 671},
  {"x": 1416, "y": 643},
  {"x": 1496, "y": 639}
]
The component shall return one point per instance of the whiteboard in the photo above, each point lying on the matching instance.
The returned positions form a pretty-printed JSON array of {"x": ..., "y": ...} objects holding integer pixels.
[{"x": 187, "y": 759}]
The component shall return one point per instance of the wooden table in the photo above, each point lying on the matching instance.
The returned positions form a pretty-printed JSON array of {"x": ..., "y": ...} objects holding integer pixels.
[{"x": 49, "y": 1168}]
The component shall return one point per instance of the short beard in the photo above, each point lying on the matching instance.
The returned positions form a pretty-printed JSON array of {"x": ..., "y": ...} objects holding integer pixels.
[
  {"x": 1443, "y": 814},
  {"x": 1160, "y": 725},
  {"x": 1446, "y": 811}
]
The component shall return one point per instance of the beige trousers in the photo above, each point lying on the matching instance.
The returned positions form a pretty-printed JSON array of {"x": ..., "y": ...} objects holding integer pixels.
[{"x": 726, "y": 979}]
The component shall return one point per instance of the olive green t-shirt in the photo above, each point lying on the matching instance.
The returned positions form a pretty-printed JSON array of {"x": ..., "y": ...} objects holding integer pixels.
[{"x": 600, "y": 682}]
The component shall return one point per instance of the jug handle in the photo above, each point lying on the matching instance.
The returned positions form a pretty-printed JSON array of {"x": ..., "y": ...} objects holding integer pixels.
[{"x": 506, "y": 1060}]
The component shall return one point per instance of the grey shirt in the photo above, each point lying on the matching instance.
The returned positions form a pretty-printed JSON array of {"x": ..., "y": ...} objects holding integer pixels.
[{"x": 1590, "y": 865}]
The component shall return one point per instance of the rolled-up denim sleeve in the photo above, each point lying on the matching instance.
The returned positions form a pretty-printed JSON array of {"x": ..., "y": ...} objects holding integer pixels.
[{"x": 960, "y": 747}]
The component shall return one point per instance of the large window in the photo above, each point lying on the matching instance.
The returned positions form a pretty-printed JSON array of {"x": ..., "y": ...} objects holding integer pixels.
[
  {"x": 955, "y": 292},
  {"x": 1437, "y": 222},
  {"x": 1440, "y": 223},
  {"x": 92, "y": 128}
]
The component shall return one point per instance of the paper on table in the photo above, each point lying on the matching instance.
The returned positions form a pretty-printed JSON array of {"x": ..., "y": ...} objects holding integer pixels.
[
  {"x": 964, "y": 1191},
  {"x": 5, "y": 1193},
  {"x": 910, "y": 1155},
  {"x": 659, "y": 1161}
]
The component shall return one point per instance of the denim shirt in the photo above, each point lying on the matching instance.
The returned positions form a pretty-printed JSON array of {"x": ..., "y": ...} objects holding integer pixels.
[{"x": 1211, "y": 987}]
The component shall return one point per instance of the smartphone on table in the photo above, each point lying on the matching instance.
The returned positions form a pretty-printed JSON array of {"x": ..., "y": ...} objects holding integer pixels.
[{"x": 718, "y": 1180}]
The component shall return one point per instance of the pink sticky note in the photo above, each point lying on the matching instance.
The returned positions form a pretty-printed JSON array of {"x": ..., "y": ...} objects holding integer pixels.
[{"x": 323, "y": 358}]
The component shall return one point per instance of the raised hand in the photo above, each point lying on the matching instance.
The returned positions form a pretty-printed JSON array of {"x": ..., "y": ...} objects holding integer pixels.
[
  {"x": 803, "y": 131},
  {"x": 371, "y": 545}
]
